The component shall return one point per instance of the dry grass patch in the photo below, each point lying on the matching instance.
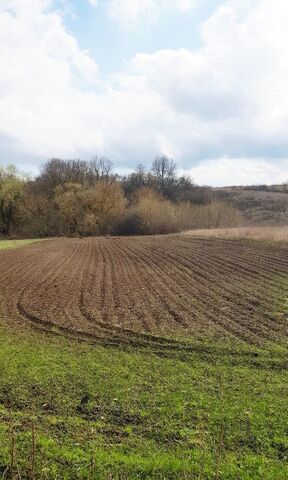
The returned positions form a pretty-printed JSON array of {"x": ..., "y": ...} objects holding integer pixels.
[{"x": 277, "y": 234}]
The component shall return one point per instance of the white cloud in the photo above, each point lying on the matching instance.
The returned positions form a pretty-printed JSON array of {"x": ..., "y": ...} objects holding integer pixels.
[
  {"x": 227, "y": 98},
  {"x": 25, "y": 7},
  {"x": 42, "y": 69},
  {"x": 130, "y": 11},
  {"x": 238, "y": 171}
]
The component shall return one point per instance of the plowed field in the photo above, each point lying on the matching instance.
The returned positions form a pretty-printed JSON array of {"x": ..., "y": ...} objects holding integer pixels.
[{"x": 156, "y": 291}]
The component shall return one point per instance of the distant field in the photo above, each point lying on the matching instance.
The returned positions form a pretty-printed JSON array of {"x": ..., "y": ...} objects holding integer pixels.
[
  {"x": 277, "y": 234},
  {"x": 7, "y": 244},
  {"x": 159, "y": 358}
]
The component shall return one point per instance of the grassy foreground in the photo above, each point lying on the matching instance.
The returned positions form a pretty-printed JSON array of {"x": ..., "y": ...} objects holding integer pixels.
[
  {"x": 7, "y": 244},
  {"x": 78, "y": 411}
]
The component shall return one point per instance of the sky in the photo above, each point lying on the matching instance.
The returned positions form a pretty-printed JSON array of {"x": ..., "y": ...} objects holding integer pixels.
[{"x": 202, "y": 81}]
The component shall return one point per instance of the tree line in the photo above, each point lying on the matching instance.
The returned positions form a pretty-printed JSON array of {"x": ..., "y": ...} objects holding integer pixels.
[{"x": 78, "y": 197}]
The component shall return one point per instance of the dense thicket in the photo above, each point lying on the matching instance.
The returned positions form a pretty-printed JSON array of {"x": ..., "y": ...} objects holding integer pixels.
[{"x": 77, "y": 197}]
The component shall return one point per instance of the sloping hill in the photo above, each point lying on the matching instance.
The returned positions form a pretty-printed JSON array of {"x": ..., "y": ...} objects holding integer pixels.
[{"x": 260, "y": 205}]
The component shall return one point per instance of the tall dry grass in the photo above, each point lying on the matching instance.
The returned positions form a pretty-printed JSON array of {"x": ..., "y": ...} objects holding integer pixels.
[
  {"x": 277, "y": 234},
  {"x": 152, "y": 214},
  {"x": 215, "y": 214},
  {"x": 158, "y": 215}
]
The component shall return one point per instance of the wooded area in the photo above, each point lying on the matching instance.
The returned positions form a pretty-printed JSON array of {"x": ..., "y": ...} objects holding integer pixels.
[{"x": 77, "y": 197}]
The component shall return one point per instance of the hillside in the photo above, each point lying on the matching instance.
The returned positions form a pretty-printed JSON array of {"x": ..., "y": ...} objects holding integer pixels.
[{"x": 260, "y": 205}]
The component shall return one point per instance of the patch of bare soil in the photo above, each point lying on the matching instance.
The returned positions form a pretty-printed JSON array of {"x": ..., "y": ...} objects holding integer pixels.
[{"x": 147, "y": 291}]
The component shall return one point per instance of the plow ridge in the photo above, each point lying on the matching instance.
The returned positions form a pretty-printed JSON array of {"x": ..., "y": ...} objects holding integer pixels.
[
  {"x": 148, "y": 292},
  {"x": 239, "y": 285}
]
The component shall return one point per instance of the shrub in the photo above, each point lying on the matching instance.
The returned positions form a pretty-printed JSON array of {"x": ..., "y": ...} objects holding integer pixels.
[
  {"x": 213, "y": 215},
  {"x": 152, "y": 214},
  {"x": 130, "y": 224}
]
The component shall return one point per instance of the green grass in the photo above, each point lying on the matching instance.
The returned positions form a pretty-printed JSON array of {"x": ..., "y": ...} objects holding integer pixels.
[
  {"x": 7, "y": 244},
  {"x": 103, "y": 413}
]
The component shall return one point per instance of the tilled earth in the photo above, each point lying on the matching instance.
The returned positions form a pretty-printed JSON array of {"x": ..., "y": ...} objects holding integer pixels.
[{"x": 149, "y": 291}]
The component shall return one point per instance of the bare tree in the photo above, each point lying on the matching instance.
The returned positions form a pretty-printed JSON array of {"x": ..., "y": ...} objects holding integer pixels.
[
  {"x": 164, "y": 170},
  {"x": 58, "y": 172},
  {"x": 101, "y": 168}
]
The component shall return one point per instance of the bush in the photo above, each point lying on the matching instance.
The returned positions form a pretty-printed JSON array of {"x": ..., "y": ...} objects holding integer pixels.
[
  {"x": 158, "y": 215},
  {"x": 130, "y": 224},
  {"x": 213, "y": 215},
  {"x": 152, "y": 214}
]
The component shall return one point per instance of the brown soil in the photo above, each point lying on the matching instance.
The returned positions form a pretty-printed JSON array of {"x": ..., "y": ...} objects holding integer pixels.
[{"x": 147, "y": 291}]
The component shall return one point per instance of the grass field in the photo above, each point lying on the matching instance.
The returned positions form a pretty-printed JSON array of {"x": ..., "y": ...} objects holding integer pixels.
[
  {"x": 7, "y": 244},
  {"x": 171, "y": 397},
  {"x": 114, "y": 413}
]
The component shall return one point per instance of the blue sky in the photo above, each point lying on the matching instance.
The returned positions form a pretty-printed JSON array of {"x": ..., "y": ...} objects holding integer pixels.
[
  {"x": 202, "y": 81},
  {"x": 112, "y": 44}
]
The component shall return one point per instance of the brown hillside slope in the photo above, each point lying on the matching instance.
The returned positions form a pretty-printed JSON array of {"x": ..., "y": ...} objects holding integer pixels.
[{"x": 258, "y": 206}]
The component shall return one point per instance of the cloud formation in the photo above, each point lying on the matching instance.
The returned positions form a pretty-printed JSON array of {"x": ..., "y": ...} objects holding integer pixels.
[
  {"x": 225, "y": 100},
  {"x": 128, "y": 12},
  {"x": 42, "y": 72},
  {"x": 238, "y": 171}
]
